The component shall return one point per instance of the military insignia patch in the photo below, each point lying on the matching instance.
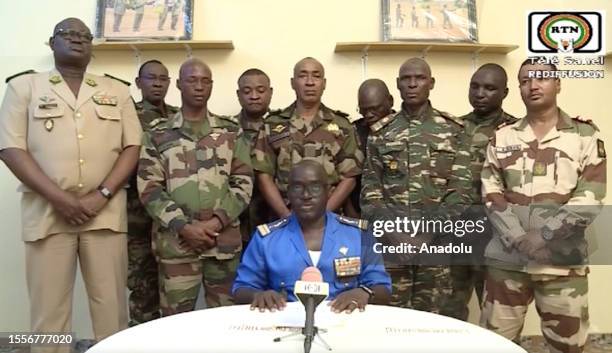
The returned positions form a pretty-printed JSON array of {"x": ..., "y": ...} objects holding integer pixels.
[
  {"x": 347, "y": 266},
  {"x": 91, "y": 82},
  {"x": 355, "y": 222},
  {"x": 332, "y": 127},
  {"x": 539, "y": 169},
  {"x": 265, "y": 229},
  {"x": 55, "y": 79},
  {"x": 601, "y": 151},
  {"x": 47, "y": 99},
  {"x": 393, "y": 165},
  {"x": 278, "y": 128},
  {"x": 49, "y": 125},
  {"x": 343, "y": 250},
  {"x": 102, "y": 99},
  {"x": 511, "y": 148},
  {"x": 47, "y": 105}
]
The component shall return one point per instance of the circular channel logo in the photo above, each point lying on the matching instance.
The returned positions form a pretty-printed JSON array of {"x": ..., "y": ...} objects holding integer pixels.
[{"x": 565, "y": 32}]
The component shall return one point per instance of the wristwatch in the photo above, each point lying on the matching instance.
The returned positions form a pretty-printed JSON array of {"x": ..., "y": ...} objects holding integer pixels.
[
  {"x": 547, "y": 233},
  {"x": 367, "y": 290},
  {"x": 105, "y": 191}
]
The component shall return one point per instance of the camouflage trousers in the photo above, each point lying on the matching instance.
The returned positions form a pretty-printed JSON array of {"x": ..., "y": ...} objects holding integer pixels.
[
  {"x": 180, "y": 283},
  {"x": 561, "y": 302},
  {"x": 424, "y": 288},
  {"x": 255, "y": 214},
  {"x": 464, "y": 280},
  {"x": 142, "y": 277}
]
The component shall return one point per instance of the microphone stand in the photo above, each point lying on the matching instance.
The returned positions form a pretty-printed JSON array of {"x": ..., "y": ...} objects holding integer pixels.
[
  {"x": 309, "y": 331},
  {"x": 307, "y": 340}
]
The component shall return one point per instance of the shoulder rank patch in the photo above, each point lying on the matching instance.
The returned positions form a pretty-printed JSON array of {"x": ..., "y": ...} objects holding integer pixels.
[
  {"x": 273, "y": 112},
  {"x": 451, "y": 117},
  {"x": 601, "y": 151},
  {"x": 19, "y": 74},
  {"x": 127, "y": 83},
  {"x": 341, "y": 113},
  {"x": 230, "y": 118},
  {"x": 265, "y": 229},
  {"x": 358, "y": 223},
  {"x": 585, "y": 120},
  {"x": 382, "y": 122}
]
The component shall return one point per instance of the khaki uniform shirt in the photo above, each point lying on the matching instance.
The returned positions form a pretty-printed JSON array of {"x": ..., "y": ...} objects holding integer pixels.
[
  {"x": 558, "y": 182},
  {"x": 75, "y": 141}
]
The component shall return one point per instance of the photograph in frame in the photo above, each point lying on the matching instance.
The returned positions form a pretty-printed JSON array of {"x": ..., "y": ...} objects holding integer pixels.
[
  {"x": 429, "y": 20},
  {"x": 141, "y": 20}
]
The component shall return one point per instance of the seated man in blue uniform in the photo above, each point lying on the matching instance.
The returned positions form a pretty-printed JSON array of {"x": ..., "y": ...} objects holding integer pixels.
[{"x": 338, "y": 246}]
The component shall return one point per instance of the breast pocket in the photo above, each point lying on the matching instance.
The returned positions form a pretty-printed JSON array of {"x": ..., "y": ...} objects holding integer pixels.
[
  {"x": 394, "y": 157},
  {"x": 179, "y": 160},
  {"x": 109, "y": 125},
  {"x": 442, "y": 157},
  {"x": 280, "y": 139},
  {"x": 45, "y": 118},
  {"x": 213, "y": 156}
]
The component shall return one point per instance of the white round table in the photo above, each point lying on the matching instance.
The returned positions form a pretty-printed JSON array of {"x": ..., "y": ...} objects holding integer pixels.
[{"x": 238, "y": 329}]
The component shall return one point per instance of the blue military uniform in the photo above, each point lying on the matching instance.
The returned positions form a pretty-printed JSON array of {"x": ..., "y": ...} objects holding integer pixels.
[{"x": 277, "y": 255}]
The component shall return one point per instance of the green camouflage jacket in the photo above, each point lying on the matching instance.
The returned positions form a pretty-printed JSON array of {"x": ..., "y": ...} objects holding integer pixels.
[
  {"x": 480, "y": 130},
  {"x": 416, "y": 166},
  {"x": 184, "y": 175},
  {"x": 285, "y": 140},
  {"x": 139, "y": 221}
]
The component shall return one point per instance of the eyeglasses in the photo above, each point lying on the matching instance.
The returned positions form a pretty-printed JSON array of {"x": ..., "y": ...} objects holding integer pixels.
[
  {"x": 313, "y": 188},
  {"x": 69, "y": 33}
]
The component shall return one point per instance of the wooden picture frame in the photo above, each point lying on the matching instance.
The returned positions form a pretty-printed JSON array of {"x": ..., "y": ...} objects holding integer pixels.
[
  {"x": 429, "y": 20},
  {"x": 133, "y": 20}
]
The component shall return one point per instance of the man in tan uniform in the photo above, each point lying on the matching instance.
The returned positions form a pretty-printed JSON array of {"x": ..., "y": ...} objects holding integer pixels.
[
  {"x": 544, "y": 181},
  {"x": 72, "y": 139}
]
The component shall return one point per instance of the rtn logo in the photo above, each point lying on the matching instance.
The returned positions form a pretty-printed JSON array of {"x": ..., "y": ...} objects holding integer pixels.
[{"x": 565, "y": 32}]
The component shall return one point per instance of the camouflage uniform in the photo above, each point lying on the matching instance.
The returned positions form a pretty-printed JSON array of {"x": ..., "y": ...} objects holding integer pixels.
[
  {"x": 363, "y": 131},
  {"x": 417, "y": 166},
  {"x": 286, "y": 139},
  {"x": 256, "y": 213},
  {"x": 555, "y": 186},
  {"x": 187, "y": 172},
  {"x": 469, "y": 273},
  {"x": 142, "y": 267}
]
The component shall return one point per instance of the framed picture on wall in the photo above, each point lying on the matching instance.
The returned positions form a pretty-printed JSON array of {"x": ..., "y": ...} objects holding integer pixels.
[
  {"x": 429, "y": 20},
  {"x": 118, "y": 20}
]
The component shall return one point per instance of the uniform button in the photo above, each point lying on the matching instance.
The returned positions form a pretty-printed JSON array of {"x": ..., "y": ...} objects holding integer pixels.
[
  {"x": 81, "y": 161},
  {"x": 346, "y": 284},
  {"x": 282, "y": 283},
  {"x": 80, "y": 136},
  {"x": 80, "y": 185},
  {"x": 78, "y": 115}
]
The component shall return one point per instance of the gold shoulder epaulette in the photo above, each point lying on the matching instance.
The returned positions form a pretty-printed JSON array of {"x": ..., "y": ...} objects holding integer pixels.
[
  {"x": 358, "y": 223},
  {"x": 265, "y": 229}
]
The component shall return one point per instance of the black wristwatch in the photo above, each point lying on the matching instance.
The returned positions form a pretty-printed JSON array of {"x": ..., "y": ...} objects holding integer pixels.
[
  {"x": 547, "y": 233},
  {"x": 367, "y": 290},
  {"x": 105, "y": 192}
]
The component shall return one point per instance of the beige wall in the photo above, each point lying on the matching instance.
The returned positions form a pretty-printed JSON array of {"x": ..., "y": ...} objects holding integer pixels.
[{"x": 273, "y": 35}]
